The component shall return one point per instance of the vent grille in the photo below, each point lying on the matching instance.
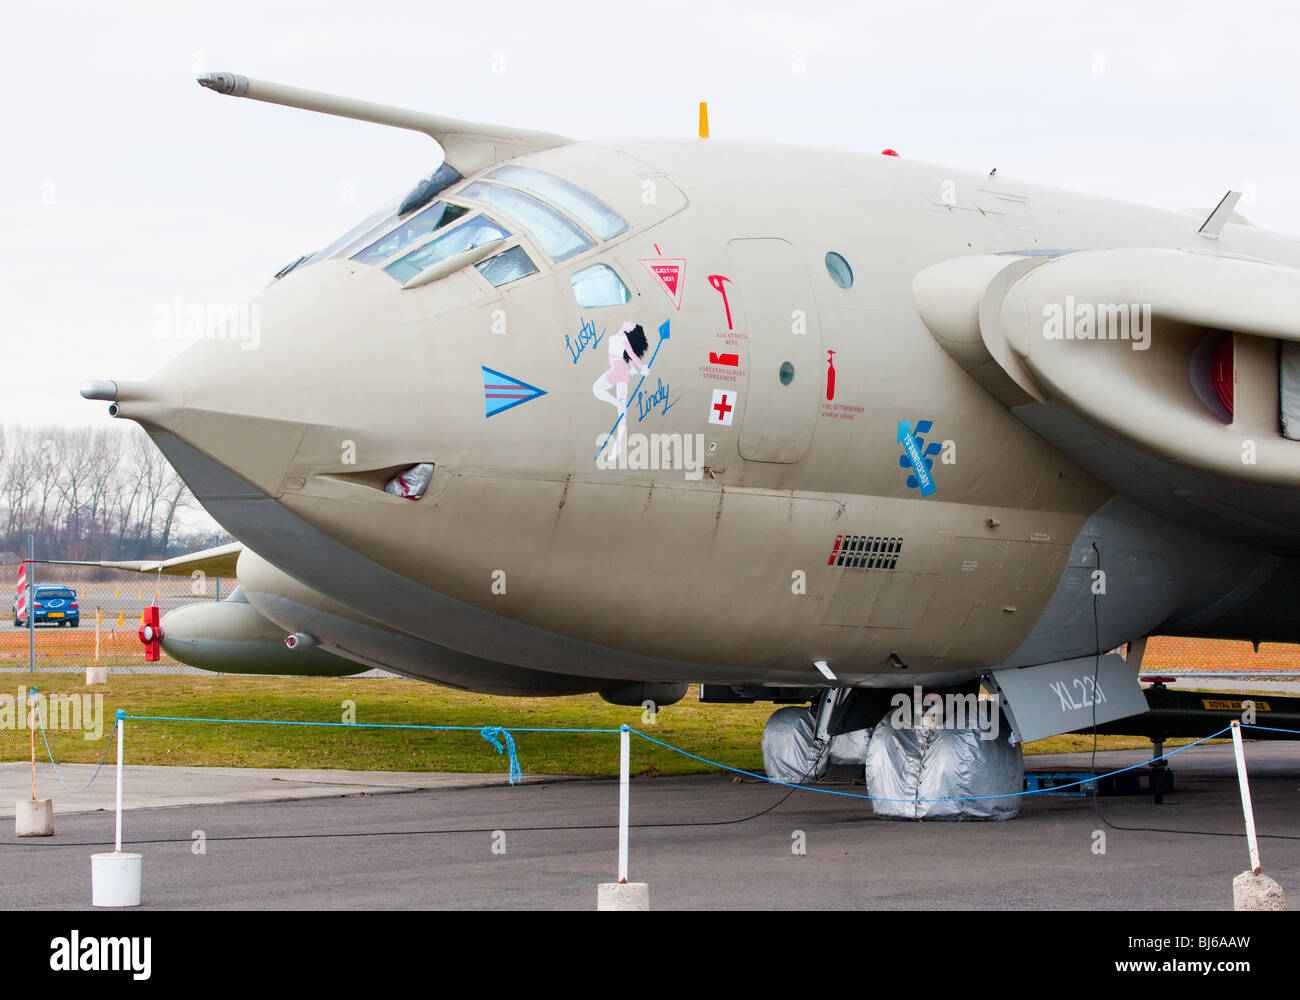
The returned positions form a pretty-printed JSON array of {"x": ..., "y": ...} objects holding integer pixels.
[{"x": 865, "y": 552}]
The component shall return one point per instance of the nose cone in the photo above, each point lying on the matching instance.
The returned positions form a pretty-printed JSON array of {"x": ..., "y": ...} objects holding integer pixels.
[{"x": 315, "y": 358}]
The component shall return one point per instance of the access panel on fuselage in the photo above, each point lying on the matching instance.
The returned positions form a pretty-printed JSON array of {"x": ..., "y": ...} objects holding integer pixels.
[{"x": 775, "y": 298}]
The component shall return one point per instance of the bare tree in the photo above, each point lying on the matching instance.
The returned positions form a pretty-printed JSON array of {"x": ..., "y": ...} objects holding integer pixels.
[{"x": 103, "y": 493}]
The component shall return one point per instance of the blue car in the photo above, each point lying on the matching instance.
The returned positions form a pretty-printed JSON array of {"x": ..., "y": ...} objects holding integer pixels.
[{"x": 53, "y": 605}]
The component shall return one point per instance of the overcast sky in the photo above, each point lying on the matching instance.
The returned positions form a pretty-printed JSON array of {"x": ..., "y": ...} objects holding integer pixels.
[{"x": 126, "y": 185}]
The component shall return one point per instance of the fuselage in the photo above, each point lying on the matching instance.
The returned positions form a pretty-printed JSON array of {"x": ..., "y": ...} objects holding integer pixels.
[{"x": 748, "y": 514}]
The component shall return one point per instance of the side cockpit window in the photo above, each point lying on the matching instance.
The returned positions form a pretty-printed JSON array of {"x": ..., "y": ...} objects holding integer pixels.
[
  {"x": 599, "y": 285},
  {"x": 593, "y": 213},
  {"x": 414, "y": 229},
  {"x": 469, "y": 234},
  {"x": 505, "y": 267},
  {"x": 559, "y": 237}
]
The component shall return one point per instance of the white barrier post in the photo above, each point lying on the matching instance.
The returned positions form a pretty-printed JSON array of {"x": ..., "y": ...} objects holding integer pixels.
[
  {"x": 624, "y": 766},
  {"x": 623, "y": 895},
  {"x": 121, "y": 741},
  {"x": 97, "y": 674},
  {"x": 1251, "y": 890},
  {"x": 1246, "y": 807},
  {"x": 115, "y": 878}
]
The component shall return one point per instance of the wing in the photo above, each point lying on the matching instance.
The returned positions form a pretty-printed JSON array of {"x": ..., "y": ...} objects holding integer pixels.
[{"x": 219, "y": 561}]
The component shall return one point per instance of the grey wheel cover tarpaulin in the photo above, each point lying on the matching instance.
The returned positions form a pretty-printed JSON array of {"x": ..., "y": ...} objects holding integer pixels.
[
  {"x": 789, "y": 749},
  {"x": 932, "y": 762},
  {"x": 850, "y": 748}
]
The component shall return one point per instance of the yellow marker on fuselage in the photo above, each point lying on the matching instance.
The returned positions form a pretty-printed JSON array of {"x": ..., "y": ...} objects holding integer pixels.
[{"x": 704, "y": 119}]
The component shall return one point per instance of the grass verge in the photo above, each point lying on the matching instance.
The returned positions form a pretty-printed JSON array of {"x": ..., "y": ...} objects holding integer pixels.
[{"x": 730, "y": 734}]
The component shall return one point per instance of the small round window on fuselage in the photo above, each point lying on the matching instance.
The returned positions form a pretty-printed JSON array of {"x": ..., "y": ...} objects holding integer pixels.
[{"x": 838, "y": 268}]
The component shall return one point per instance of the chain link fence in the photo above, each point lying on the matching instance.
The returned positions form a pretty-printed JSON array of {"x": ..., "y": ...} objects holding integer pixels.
[
  {"x": 102, "y": 629},
  {"x": 110, "y": 604}
]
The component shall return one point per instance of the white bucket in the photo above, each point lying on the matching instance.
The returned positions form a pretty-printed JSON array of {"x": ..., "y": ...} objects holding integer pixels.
[{"x": 115, "y": 879}]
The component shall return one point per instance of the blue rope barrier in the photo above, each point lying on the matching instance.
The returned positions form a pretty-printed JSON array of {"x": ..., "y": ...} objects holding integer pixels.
[
  {"x": 490, "y": 733},
  {"x": 1271, "y": 729},
  {"x": 49, "y": 753},
  {"x": 960, "y": 798},
  {"x": 504, "y": 743},
  {"x": 496, "y": 735}
]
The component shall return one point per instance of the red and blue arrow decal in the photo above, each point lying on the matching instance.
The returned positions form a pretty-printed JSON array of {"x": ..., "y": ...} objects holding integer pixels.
[{"x": 501, "y": 392}]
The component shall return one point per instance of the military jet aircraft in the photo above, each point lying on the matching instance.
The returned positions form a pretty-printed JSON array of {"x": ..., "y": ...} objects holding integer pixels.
[{"x": 618, "y": 416}]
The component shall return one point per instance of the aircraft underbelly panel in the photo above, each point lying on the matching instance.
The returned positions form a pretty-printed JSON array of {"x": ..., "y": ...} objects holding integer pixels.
[{"x": 785, "y": 350}]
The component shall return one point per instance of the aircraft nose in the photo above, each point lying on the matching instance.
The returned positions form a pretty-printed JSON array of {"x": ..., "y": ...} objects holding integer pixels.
[
  {"x": 228, "y": 426},
  {"x": 303, "y": 363}
]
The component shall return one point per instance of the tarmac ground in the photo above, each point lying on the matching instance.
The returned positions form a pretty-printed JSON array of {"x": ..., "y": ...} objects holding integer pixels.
[{"x": 228, "y": 838}]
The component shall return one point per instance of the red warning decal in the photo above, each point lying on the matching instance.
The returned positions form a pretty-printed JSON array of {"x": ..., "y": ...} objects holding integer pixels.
[
  {"x": 671, "y": 272},
  {"x": 718, "y": 281}
]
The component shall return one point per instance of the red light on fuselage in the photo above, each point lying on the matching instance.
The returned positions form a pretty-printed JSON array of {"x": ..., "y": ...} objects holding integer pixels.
[{"x": 1221, "y": 372}]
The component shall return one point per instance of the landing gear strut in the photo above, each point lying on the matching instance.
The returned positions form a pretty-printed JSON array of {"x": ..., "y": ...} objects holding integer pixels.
[{"x": 1160, "y": 775}]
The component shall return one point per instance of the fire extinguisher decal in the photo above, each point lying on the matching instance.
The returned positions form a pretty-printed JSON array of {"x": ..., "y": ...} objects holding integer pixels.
[{"x": 830, "y": 376}]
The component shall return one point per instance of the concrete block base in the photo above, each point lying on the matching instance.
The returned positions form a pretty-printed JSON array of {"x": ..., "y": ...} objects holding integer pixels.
[
  {"x": 623, "y": 896},
  {"x": 1256, "y": 892},
  {"x": 115, "y": 879},
  {"x": 97, "y": 675},
  {"x": 34, "y": 817}
]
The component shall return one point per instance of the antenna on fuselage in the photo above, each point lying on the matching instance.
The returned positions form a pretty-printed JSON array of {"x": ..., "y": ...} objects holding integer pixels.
[{"x": 1213, "y": 225}]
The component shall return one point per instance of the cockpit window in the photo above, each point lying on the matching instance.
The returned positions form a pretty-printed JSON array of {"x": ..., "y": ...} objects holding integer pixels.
[
  {"x": 361, "y": 229},
  {"x": 472, "y": 233},
  {"x": 506, "y": 267},
  {"x": 586, "y": 208},
  {"x": 558, "y": 236},
  {"x": 599, "y": 285},
  {"x": 444, "y": 177},
  {"x": 415, "y": 228}
]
